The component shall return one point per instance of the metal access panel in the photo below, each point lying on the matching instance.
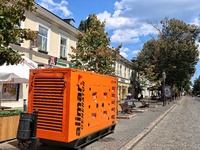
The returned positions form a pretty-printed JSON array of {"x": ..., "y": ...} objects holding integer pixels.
[{"x": 71, "y": 103}]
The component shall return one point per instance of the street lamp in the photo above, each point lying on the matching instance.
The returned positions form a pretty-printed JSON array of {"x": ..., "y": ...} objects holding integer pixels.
[{"x": 164, "y": 77}]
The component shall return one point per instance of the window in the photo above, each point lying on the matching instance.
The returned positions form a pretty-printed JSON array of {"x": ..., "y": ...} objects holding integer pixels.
[
  {"x": 19, "y": 26},
  {"x": 42, "y": 39},
  {"x": 63, "y": 48},
  {"x": 124, "y": 72},
  {"x": 120, "y": 70},
  {"x": 116, "y": 68}
]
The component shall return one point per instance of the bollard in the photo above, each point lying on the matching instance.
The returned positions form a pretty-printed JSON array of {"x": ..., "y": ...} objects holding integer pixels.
[{"x": 25, "y": 105}]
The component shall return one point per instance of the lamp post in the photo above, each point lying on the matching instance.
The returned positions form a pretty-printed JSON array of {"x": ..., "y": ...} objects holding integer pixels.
[{"x": 164, "y": 77}]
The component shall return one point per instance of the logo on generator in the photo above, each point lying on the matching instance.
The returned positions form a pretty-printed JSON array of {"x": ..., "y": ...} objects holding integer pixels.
[{"x": 79, "y": 119}]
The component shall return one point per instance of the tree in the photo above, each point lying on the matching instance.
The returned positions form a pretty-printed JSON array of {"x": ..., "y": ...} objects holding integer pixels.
[
  {"x": 93, "y": 48},
  {"x": 196, "y": 86},
  {"x": 11, "y": 15},
  {"x": 174, "y": 51}
]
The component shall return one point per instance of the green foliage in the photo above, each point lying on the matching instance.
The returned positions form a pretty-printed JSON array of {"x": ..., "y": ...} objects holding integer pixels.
[
  {"x": 11, "y": 14},
  {"x": 174, "y": 51},
  {"x": 10, "y": 112},
  {"x": 196, "y": 86},
  {"x": 93, "y": 51}
]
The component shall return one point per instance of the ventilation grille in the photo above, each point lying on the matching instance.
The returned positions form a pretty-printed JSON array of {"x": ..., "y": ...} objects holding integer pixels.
[{"x": 48, "y": 100}]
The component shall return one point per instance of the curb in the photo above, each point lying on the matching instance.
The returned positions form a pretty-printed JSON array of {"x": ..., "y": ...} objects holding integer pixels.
[{"x": 141, "y": 135}]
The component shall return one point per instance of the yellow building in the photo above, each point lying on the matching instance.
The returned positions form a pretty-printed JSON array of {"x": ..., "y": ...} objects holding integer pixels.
[
  {"x": 50, "y": 49},
  {"x": 124, "y": 70}
]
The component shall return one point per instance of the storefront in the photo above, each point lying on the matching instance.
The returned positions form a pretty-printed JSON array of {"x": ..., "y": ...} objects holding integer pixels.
[
  {"x": 124, "y": 87},
  {"x": 14, "y": 83}
]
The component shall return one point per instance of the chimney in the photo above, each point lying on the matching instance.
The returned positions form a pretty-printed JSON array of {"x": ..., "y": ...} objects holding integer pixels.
[{"x": 70, "y": 21}]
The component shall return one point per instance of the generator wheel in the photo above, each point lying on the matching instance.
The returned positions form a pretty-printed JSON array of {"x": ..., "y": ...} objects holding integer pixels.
[{"x": 88, "y": 139}]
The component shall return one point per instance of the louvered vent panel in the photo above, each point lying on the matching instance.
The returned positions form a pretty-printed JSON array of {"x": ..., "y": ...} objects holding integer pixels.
[{"x": 48, "y": 99}]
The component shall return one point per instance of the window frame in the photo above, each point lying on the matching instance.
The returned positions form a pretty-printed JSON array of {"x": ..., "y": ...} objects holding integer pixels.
[
  {"x": 64, "y": 35},
  {"x": 46, "y": 25}
]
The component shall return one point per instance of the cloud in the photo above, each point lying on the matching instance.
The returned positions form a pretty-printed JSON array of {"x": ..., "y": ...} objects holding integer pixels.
[
  {"x": 135, "y": 52},
  {"x": 125, "y": 36},
  {"x": 56, "y": 7},
  {"x": 124, "y": 54},
  {"x": 157, "y": 9},
  {"x": 131, "y": 20},
  {"x": 124, "y": 51},
  {"x": 126, "y": 30},
  {"x": 131, "y": 17}
]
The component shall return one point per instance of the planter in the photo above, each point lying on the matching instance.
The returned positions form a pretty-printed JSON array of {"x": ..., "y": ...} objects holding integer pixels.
[
  {"x": 9, "y": 121},
  {"x": 8, "y": 127}
]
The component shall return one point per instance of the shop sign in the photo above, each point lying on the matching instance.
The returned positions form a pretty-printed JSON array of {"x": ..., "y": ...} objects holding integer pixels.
[
  {"x": 52, "y": 60},
  {"x": 167, "y": 91},
  {"x": 123, "y": 80},
  {"x": 71, "y": 66},
  {"x": 61, "y": 64}
]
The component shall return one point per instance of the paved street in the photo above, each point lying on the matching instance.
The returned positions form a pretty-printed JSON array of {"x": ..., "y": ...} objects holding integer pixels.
[
  {"x": 127, "y": 132},
  {"x": 179, "y": 130}
]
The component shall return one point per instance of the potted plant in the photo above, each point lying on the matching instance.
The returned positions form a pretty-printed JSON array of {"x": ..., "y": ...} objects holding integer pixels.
[{"x": 9, "y": 121}]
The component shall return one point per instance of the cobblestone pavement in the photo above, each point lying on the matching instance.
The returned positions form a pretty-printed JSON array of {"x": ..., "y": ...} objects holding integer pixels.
[
  {"x": 125, "y": 134},
  {"x": 179, "y": 130}
]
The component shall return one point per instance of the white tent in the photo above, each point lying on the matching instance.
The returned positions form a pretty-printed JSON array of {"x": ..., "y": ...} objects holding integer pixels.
[{"x": 17, "y": 73}]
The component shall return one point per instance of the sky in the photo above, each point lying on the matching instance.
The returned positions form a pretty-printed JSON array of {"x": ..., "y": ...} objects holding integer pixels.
[{"x": 128, "y": 21}]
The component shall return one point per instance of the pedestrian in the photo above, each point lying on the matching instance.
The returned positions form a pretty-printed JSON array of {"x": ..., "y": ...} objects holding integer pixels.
[
  {"x": 176, "y": 95},
  {"x": 139, "y": 97},
  {"x": 127, "y": 99},
  {"x": 131, "y": 99}
]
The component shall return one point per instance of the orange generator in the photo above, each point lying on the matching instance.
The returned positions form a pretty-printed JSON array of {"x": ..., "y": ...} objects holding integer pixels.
[{"x": 75, "y": 107}]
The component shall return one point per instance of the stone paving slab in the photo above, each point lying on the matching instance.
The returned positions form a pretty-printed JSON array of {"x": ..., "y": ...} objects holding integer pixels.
[
  {"x": 140, "y": 110},
  {"x": 153, "y": 106},
  {"x": 126, "y": 116},
  {"x": 125, "y": 133}
]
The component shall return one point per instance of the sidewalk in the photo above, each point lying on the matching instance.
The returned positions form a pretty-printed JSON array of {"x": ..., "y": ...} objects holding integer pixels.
[{"x": 127, "y": 132}]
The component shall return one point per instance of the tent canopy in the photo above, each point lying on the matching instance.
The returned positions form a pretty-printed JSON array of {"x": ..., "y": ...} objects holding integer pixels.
[{"x": 17, "y": 73}]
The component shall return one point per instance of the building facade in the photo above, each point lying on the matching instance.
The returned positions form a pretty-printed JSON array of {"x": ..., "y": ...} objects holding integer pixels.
[
  {"x": 124, "y": 72},
  {"x": 55, "y": 38},
  {"x": 50, "y": 49}
]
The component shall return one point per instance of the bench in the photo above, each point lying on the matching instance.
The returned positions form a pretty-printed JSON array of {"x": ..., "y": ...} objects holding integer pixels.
[
  {"x": 144, "y": 104},
  {"x": 125, "y": 108}
]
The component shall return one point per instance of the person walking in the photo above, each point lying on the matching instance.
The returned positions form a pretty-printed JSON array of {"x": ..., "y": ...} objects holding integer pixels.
[{"x": 139, "y": 97}]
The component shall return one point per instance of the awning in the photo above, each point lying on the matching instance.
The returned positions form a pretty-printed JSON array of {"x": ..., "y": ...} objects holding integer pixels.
[{"x": 17, "y": 73}]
